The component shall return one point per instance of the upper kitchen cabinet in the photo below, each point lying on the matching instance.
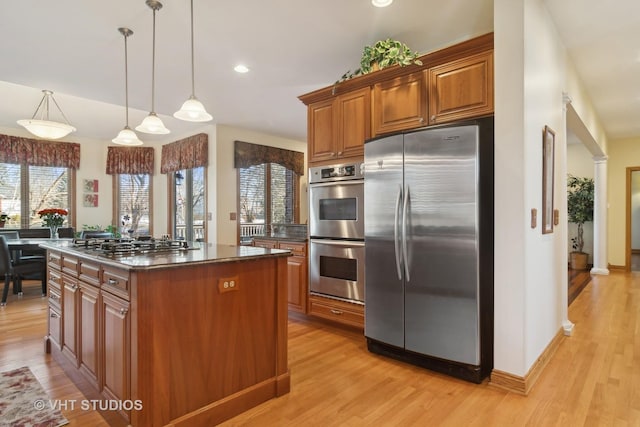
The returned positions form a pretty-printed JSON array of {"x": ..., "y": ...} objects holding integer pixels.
[
  {"x": 461, "y": 89},
  {"x": 399, "y": 104},
  {"x": 338, "y": 126}
]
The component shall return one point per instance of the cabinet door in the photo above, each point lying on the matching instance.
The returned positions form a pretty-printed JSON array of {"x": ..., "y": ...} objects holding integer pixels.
[
  {"x": 267, "y": 244},
  {"x": 461, "y": 89},
  {"x": 89, "y": 332},
  {"x": 354, "y": 109},
  {"x": 322, "y": 131},
  {"x": 70, "y": 317},
  {"x": 399, "y": 104},
  {"x": 297, "y": 275},
  {"x": 115, "y": 344}
]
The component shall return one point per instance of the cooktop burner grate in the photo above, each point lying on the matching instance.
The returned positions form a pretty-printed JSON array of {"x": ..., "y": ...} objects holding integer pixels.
[{"x": 131, "y": 247}]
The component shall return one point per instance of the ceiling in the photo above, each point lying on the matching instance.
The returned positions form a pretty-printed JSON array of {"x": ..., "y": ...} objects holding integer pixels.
[{"x": 73, "y": 48}]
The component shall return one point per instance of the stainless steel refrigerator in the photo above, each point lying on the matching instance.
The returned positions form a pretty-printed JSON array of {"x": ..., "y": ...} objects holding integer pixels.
[{"x": 428, "y": 198}]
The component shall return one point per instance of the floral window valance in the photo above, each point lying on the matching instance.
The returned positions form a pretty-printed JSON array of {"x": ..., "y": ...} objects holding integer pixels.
[
  {"x": 188, "y": 153},
  {"x": 247, "y": 155},
  {"x": 34, "y": 152},
  {"x": 130, "y": 160}
]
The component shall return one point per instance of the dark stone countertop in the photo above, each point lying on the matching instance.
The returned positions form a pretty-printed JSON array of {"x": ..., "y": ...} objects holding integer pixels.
[{"x": 200, "y": 253}]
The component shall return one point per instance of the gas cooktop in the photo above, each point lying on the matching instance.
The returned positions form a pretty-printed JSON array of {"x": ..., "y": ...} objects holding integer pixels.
[{"x": 118, "y": 246}]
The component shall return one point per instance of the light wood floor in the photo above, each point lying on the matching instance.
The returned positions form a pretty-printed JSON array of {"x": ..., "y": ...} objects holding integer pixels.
[{"x": 592, "y": 380}]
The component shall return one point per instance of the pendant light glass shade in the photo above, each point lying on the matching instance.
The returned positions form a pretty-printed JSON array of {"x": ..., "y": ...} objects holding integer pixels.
[
  {"x": 42, "y": 126},
  {"x": 126, "y": 136},
  {"x": 192, "y": 110},
  {"x": 152, "y": 123}
]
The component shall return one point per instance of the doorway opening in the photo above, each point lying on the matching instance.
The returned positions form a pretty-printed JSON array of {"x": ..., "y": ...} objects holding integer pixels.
[{"x": 632, "y": 250}]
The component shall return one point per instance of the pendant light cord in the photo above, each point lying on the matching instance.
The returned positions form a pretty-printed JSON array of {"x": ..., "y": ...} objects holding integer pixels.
[
  {"x": 126, "y": 82},
  {"x": 193, "y": 84},
  {"x": 153, "y": 66}
]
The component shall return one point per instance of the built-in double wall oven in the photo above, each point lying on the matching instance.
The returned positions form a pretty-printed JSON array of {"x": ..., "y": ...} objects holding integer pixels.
[{"x": 336, "y": 230}]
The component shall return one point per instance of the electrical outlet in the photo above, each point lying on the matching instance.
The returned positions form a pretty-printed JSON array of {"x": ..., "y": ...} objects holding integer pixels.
[{"x": 228, "y": 284}]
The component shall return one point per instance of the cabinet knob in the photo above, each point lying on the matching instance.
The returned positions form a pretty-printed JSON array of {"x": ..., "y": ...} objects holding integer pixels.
[
  {"x": 54, "y": 315},
  {"x": 339, "y": 153},
  {"x": 333, "y": 154},
  {"x": 123, "y": 311},
  {"x": 336, "y": 312},
  {"x": 433, "y": 118},
  {"x": 112, "y": 282},
  {"x": 421, "y": 119}
]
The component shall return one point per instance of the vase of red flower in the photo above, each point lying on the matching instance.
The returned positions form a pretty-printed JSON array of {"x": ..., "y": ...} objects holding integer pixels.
[{"x": 53, "y": 218}]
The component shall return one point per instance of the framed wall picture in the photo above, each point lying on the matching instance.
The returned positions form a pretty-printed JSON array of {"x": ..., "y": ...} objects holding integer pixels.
[
  {"x": 90, "y": 185},
  {"x": 548, "y": 145}
]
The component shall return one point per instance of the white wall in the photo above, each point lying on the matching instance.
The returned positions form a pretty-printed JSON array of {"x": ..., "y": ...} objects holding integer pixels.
[
  {"x": 226, "y": 175},
  {"x": 529, "y": 266}
]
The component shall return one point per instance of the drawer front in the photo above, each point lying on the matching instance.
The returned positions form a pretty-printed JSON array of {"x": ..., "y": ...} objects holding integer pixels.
[
  {"x": 70, "y": 265},
  {"x": 298, "y": 249},
  {"x": 54, "y": 260},
  {"x": 55, "y": 325},
  {"x": 89, "y": 272},
  {"x": 55, "y": 280},
  {"x": 349, "y": 314},
  {"x": 267, "y": 244},
  {"x": 55, "y": 297},
  {"x": 116, "y": 281}
]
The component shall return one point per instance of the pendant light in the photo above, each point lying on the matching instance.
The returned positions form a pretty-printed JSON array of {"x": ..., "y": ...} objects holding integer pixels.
[
  {"x": 42, "y": 126},
  {"x": 192, "y": 110},
  {"x": 126, "y": 135},
  {"x": 152, "y": 123}
]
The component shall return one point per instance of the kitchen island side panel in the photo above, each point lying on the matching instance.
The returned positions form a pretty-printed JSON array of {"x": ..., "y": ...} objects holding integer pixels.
[{"x": 204, "y": 353}]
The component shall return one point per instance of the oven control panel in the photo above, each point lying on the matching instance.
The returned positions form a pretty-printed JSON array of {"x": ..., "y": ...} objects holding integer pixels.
[{"x": 336, "y": 172}]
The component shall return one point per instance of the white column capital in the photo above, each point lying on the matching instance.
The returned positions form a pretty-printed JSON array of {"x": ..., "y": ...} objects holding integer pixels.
[
  {"x": 566, "y": 99},
  {"x": 600, "y": 159}
]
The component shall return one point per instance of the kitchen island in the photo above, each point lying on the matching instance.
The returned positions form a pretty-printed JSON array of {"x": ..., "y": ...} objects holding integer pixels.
[{"x": 184, "y": 337}]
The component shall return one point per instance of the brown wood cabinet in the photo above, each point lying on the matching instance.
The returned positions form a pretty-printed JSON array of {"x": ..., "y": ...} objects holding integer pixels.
[
  {"x": 297, "y": 271},
  {"x": 338, "y": 127},
  {"x": 461, "y": 89},
  {"x": 399, "y": 104},
  {"x": 116, "y": 349},
  {"x": 134, "y": 333},
  {"x": 89, "y": 351},
  {"x": 337, "y": 311}
]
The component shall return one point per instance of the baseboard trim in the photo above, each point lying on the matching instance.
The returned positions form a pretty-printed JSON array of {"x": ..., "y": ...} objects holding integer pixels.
[
  {"x": 523, "y": 385},
  {"x": 617, "y": 267}
]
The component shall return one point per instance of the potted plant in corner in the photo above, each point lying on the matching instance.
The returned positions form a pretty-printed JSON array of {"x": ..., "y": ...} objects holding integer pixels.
[{"x": 579, "y": 210}]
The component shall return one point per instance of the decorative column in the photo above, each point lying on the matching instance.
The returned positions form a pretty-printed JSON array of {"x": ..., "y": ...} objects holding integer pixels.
[
  {"x": 567, "y": 325},
  {"x": 600, "y": 261}
]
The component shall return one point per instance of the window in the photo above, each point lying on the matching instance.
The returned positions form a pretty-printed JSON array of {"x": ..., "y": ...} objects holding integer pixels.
[
  {"x": 189, "y": 204},
  {"x": 25, "y": 190},
  {"x": 133, "y": 201},
  {"x": 268, "y": 194}
]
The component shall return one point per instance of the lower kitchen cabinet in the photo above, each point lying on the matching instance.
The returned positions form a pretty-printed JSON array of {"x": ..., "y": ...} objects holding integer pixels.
[
  {"x": 338, "y": 311},
  {"x": 88, "y": 350},
  {"x": 115, "y": 344},
  {"x": 298, "y": 282},
  {"x": 69, "y": 319}
]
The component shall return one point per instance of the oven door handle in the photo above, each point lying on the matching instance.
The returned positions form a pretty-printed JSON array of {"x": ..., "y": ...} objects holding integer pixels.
[
  {"x": 396, "y": 240},
  {"x": 346, "y": 243},
  {"x": 335, "y": 183}
]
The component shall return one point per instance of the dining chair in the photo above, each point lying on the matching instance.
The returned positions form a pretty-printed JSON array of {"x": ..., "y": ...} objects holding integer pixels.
[{"x": 17, "y": 272}]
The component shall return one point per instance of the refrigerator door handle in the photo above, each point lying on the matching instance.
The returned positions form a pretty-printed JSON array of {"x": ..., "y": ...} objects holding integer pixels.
[
  {"x": 405, "y": 253},
  {"x": 396, "y": 240}
]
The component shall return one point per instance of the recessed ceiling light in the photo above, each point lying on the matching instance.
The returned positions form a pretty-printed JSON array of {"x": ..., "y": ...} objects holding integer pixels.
[
  {"x": 241, "y": 68},
  {"x": 381, "y": 3}
]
